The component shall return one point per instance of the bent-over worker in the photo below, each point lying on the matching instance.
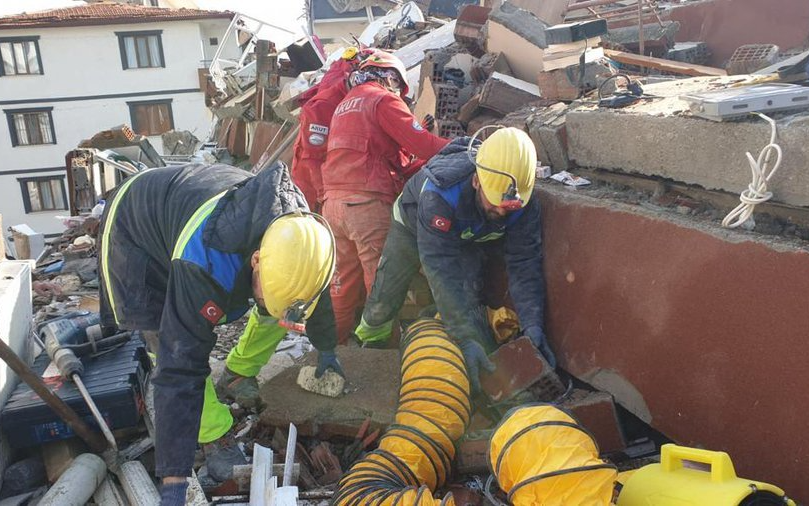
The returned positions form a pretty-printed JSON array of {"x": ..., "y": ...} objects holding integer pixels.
[
  {"x": 445, "y": 216},
  {"x": 184, "y": 249}
]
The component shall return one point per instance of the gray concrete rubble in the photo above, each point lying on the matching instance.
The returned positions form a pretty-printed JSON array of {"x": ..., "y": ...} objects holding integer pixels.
[{"x": 661, "y": 138}]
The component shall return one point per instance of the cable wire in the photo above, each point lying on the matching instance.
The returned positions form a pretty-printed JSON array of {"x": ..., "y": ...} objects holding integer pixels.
[{"x": 756, "y": 191}]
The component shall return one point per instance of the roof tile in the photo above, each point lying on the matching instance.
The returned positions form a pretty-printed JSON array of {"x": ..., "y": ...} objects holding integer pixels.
[{"x": 105, "y": 13}]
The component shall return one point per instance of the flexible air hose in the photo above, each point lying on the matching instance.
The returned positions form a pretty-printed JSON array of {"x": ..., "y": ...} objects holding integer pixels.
[
  {"x": 541, "y": 455},
  {"x": 416, "y": 452}
]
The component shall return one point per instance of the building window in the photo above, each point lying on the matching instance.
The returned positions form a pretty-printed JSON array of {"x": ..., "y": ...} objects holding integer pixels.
[
  {"x": 151, "y": 118},
  {"x": 20, "y": 56},
  {"x": 141, "y": 50},
  {"x": 29, "y": 127},
  {"x": 45, "y": 193},
  {"x": 213, "y": 41}
]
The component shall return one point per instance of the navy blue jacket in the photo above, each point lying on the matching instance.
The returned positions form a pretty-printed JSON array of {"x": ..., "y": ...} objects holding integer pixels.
[
  {"x": 173, "y": 268},
  {"x": 439, "y": 205}
]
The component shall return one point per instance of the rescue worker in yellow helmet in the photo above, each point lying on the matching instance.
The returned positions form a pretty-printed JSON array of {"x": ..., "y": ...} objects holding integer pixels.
[
  {"x": 184, "y": 249},
  {"x": 460, "y": 207}
]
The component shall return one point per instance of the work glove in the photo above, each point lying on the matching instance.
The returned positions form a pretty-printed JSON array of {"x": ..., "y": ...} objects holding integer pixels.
[
  {"x": 428, "y": 122},
  {"x": 328, "y": 360},
  {"x": 537, "y": 336},
  {"x": 173, "y": 494},
  {"x": 475, "y": 357}
]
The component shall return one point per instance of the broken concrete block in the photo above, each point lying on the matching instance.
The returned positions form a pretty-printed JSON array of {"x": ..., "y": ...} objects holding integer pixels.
[
  {"x": 548, "y": 130},
  {"x": 372, "y": 378},
  {"x": 488, "y": 64},
  {"x": 572, "y": 32},
  {"x": 596, "y": 412},
  {"x": 519, "y": 367},
  {"x": 563, "y": 84},
  {"x": 446, "y": 102},
  {"x": 479, "y": 122},
  {"x": 657, "y": 40},
  {"x": 434, "y": 62},
  {"x": 551, "y": 12},
  {"x": 505, "y": 94},
  {"x": 449, "y": 128},
  {"x": 469, "y": 109},
  {"x": 469, "y": 28},
  {"x": 519, "y": 35},
  {"x": 330, "y": 384}
]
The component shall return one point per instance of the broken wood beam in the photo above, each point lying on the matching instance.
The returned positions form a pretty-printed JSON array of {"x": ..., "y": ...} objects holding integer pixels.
[
  {"x": 576, "y": 6},
  {"x": 664, "y": 65}
]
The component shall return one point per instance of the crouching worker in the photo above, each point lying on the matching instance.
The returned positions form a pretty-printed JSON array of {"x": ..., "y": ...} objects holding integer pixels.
[
  {"x": 460, "y": 203},
  {"x": 183, "y": 250}
]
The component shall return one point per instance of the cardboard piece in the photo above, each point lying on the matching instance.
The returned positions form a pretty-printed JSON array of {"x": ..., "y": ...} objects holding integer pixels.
[{"x": 426, "y": 102}]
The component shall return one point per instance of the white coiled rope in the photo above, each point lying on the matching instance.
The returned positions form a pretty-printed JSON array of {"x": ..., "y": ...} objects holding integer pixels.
[{"x": 756, "y": 191}]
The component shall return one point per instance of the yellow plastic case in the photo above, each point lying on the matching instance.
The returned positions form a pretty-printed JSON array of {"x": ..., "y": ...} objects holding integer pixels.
[{"x": 671, "y": 484}]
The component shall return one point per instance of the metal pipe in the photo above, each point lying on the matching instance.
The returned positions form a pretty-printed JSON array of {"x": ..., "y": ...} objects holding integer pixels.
[
  {"x": 640, "y": 28},
  {"x": 290, "y": 138},
  {"x": 105, "y": 429},
  {"x": 138, "y": 485},
  {"x": 78, "y": 482},
  {"x": 65, "y": 412}
]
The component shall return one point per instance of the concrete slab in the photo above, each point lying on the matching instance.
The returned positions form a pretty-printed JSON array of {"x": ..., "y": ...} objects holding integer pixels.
[
  {"x": 660, "y": 138},
  {"x": 699, "y": 330},
  {"x": 373, "y": 391}
]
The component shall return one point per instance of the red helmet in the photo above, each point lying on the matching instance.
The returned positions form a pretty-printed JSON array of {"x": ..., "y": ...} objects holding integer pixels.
[{"x": 385, "y": 60}]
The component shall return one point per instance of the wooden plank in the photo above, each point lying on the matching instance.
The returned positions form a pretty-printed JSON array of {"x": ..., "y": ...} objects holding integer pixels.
[{"x": 664, "y": 65}]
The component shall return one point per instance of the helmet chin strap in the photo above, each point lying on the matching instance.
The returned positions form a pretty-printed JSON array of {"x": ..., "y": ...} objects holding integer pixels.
[
  {"x": 511, "y": 199},
  {"x": 294, "y": 318}
]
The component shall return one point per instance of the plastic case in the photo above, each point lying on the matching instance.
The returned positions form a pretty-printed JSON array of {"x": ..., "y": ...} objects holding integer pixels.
[
  {"x": 733, "y": 103},
  {"x": 116, "y": 382},
  {"x": 670, "y": 482}
]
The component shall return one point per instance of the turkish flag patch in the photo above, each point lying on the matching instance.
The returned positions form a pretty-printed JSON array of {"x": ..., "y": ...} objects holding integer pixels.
[
  {"x": 211, "y": 312},
  {"x": 441, "y": 223}
]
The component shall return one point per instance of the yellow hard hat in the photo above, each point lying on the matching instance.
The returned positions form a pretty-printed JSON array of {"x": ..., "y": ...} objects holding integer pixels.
[
  {"x": 506, "y": 167},
  {"x": 296, "y": 263}
]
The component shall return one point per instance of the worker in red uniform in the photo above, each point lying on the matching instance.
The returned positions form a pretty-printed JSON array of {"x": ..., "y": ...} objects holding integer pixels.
[
  {"x": 317, "y": 107},
  {"x": 375, "y": 144}
]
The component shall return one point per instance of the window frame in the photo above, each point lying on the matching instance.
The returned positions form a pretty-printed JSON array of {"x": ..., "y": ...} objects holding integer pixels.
[
  {"x": 12, "y": 128},
  {"x": 27, "y": 38},
  {"x": 143, "y": 33},
  {"x": 26, "y": 196},
  {"x": 162, "y": 101}
]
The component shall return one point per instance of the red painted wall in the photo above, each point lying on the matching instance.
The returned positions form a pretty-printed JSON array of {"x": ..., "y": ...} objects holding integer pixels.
[
  {"x": 713, "y": 333},
  {"x": 727, "y": 24}
]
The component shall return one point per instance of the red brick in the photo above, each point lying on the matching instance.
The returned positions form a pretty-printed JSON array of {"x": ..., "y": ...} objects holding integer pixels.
[
  {"x": 519, "y": 366},
  {"x": 596, "y": 412},
  {"x": 472, "y": 451}
]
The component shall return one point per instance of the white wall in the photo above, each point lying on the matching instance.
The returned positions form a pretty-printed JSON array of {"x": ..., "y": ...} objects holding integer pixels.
[
  {"x": 15, "y": 327},
  {"x": 339, "y": 29},
  {"x": 85, "y": 62}
]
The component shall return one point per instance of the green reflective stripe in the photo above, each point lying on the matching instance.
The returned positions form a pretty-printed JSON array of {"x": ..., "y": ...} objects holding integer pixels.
[
  {"x": 191, "y": 225},
  {"x": 105, "y": 241},
  {"x": 493, "y": 236},
  {"x": 397, "y": 213}
]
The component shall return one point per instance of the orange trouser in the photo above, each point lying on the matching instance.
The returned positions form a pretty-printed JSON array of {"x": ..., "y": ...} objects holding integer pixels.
[{"x": 360, "y": 225}]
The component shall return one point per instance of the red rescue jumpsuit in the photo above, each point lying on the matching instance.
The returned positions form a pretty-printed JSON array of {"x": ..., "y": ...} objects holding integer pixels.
[
  {"x": 311, "y": 143},
  {"x": 372, "y": 136}
]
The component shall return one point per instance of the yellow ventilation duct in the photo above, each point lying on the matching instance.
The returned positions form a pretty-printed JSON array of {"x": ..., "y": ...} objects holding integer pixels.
[
  {"x": 416, "y": 452},
  {"x": 541, "y": 455}
]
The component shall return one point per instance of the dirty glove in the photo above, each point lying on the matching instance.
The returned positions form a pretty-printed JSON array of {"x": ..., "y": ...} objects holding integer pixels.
[
  {"x": 328, "y": 360},
  {"x": 537, "y": 336},
  {"x": 173, "y": 494},
  {"x": 475, "y": 357},
  {"x": 428, "y": 122}
]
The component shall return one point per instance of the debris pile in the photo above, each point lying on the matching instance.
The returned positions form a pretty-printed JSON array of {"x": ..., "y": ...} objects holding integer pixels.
[{"x": 539, "y": 69}]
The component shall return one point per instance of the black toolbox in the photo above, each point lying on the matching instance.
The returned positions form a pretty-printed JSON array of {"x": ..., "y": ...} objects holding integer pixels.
[{"x": 116, "y": 381}]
